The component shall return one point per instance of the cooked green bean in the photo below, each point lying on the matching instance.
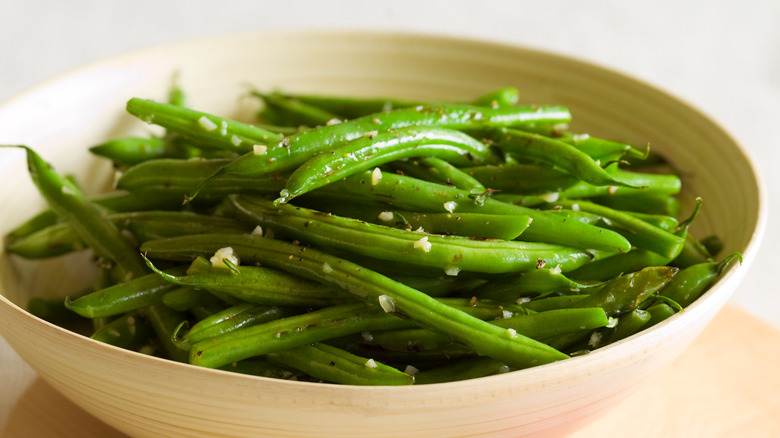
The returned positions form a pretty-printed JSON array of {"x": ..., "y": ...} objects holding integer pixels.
[
  {"x": 68, "y": 201},
  {"x": 230, "y": 320},
  {"x": 690, "y": 283},
  {"x": 253, "y": 284},
  {"x": 378, "y": 148},
  {"x": 417, "y": 195},
  {"x": 201, "y": 128},
  {"x": 176, "y": 178},
  {"x": 450, "y": 253},
  {"x": 129, "y": 331},
  {"x": 630, "y": 323},
  {"x": 130, "y": 151},
  {"x": 557, "y": 153},
  {"x": 335, "y": 365},
  {"x": 535, "y": 283},
  {"x": 640, "y": 233},
  {"x": 183, "y": 299},
  {"x": 123, "y": 297},
  {"x": 61, "y": 238},
  {"x": 283, "y": 110}
]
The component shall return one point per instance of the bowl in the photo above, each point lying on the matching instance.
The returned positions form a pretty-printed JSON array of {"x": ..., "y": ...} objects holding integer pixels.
[{"x": 145, "y": 396}]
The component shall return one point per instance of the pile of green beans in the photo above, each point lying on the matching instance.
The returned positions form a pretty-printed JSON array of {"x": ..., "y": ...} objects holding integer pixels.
[{"x": 371, "y": 241}]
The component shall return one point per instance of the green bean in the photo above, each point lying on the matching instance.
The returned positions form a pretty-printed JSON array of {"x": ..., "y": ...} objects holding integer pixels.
[
  {"x": 176, "y": 178},
  {"x": 666, "y": 223},
  {"x": 652, "y": 203},
  {"x": 335, "y": 365},
  {"x": 522, "y": 178},
  {"x": 603, "y": 150},
  {"x": 230, "y": 320},
  {"x": 378, "y": 148},
  {"x": 36, "y": 223},
  {"x": 259, "y": 366},
  {"x": 638, "y": 232},
  {"x": 617, "y": 297},
  {"x": 470, "y": 368},
  {"x": 438, "y": 285},
  {"x": 203, "y": 129},
  {"x": 630, "y": 323},
  {"x": 612, "y": 266},
  {"x": 713, "y": 244},
  {"x": 437, "y": 170},
  {"x": 450, "y": 253},
  {"x": 485, "y": 226},
  {"x": 176, "y": 95},
  {"x": 658, "y": 313},
  {"x": 623, "y": 294},
  {"x": 694, "y": 252},
  {"x": 100, "y": 234},
  {"x": 557, "y": 153},
  {"x": 61, "y": 238},
  {"x": 183, "y": 299},
  {"x": 123, "y": 297},
  {"x": 291, "y": 152},
  {"x": 290, "y": 332},
  {"x": 254, "y": 284},
  {"x": 206, "y": 310},
  {"x": 408, "y": 339},
  {"x": 537, "y": 326},
  {"x": 283, "y": 110},
  {"x": 51, "y": 241},
  {"x": 164, "y": 322},
  {"x": 130, "y": 151},
  {"x": 552, "y": 323},
  {"x": 500, "y": 98},
  {"x": 396, "y": 298},
  {"x": 690, "y": 283},
  {"x": 417, "y": 195},
  {"x": 536, "y": 283},
  {"x": 554, "y": 303},
  {"x": 159, "y": 224},
  {"x": 645, "y": 184},
  {"x": 52, "y": 310},
  {"x": 351, "y": 107},
  {"x": 479, "y": 225},
  {"x": 128, "y": 331}
]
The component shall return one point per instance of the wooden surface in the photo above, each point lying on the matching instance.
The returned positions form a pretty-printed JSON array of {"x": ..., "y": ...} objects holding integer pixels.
[{"x": 724, "y": 385}]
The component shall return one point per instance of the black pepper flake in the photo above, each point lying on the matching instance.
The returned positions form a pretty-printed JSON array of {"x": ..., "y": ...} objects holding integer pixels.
[
  {"x": 540, "y": 263},
  {"x": 333, "y": 364}
]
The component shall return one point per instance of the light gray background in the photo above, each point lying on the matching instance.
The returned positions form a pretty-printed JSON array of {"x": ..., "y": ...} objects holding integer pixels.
[{"x": 722, "y": 56}]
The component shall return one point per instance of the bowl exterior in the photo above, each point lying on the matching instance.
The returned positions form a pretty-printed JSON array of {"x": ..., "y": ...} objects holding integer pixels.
[{"x": 145, "y": 396}]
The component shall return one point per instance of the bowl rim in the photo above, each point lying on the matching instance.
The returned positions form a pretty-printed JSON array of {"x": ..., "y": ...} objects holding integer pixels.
[{"x": 519, "y": 377}]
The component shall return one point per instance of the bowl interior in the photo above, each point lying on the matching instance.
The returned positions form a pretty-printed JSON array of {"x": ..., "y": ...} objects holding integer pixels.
[{"x": 62, "y": 118}]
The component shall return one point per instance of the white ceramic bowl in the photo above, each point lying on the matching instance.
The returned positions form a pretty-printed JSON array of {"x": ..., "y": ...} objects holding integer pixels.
[{"x": 145, "y": 396}]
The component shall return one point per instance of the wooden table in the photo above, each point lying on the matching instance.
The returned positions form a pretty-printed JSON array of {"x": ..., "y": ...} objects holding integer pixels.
[{"x": 725, "y": 385}]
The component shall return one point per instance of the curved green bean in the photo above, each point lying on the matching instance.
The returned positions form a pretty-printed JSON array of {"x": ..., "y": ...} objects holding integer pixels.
[{"x": 375, "y": 149}]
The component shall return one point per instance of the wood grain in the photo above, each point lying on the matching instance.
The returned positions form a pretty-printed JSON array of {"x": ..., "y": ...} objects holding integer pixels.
[{"x": 724, "y": 385}]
